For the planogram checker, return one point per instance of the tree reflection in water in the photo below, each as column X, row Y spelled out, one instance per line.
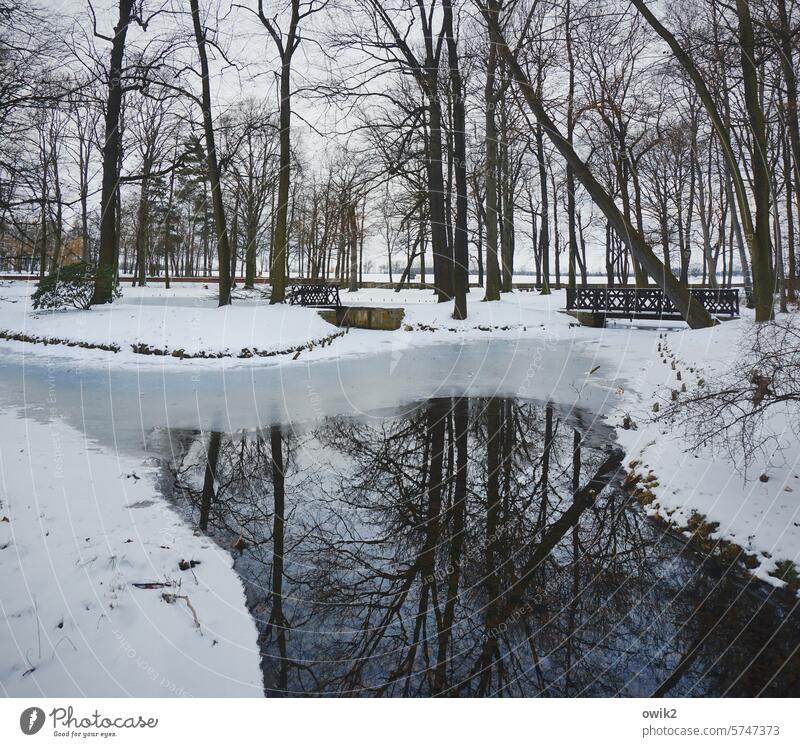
column 473, row 547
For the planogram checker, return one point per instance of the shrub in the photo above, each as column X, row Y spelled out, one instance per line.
column 72, row 285
column 733, row 409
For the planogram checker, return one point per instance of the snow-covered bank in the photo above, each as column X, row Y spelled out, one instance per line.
column 175, row 322
column 760, row 511
column 183, row 324
column 79, row 528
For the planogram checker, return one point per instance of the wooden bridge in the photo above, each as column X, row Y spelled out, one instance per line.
column 318, row 295
column 594, row 304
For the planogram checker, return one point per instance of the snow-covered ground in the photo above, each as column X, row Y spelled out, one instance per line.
column 759, row 511
column 79, row 528
column 184, row 319
column 618, row 371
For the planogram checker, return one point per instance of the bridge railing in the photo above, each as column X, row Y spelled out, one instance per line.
column 322, row 295
column 648, row 303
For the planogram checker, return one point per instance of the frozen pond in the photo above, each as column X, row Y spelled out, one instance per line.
column 444, row 520
column 119, row 406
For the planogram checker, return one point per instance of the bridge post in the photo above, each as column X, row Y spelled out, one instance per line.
column 590, row 318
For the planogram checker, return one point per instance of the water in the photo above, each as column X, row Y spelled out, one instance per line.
column 412, row 546
column 474, row 546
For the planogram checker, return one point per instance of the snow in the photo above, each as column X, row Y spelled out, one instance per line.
column 761, row 517
column 186, row 317
column 523, row 345
column 79, row 526
column 182, row 319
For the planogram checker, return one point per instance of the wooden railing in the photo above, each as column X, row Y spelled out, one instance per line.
column 649, row 303
column 321, row 295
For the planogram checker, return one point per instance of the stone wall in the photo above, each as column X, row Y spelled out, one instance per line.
column 365, row 317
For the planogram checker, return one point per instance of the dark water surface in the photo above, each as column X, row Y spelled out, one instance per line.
column 473, row 547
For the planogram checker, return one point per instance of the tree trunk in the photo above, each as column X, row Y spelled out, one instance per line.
column 544, row 227
column 442, row 256
column 43, row 220
column 223, row 248
column 490, row 180
column 278, row 265
column 791, row 279
column 59, row 227
column 251, row 231
column 573, row 240
column 507, row 212
column 235, row 233
column 460, row 239
column 479, row 244
column 763, row 284
column 352, row 225
column 107, row 258
column 167, row 221
column 793, row 125
column 142, row 219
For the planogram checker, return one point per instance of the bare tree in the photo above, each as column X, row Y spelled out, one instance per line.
column 756, row 230
column 459, row 160
column 286, row 43
column 733, row 410
column 694, row 314
column 107, row 258
column 212, row 164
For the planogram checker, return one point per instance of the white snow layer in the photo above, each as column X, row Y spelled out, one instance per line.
column 179, row 319
column 78, row 528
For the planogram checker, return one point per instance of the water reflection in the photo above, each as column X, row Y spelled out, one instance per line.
column 472, row 547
